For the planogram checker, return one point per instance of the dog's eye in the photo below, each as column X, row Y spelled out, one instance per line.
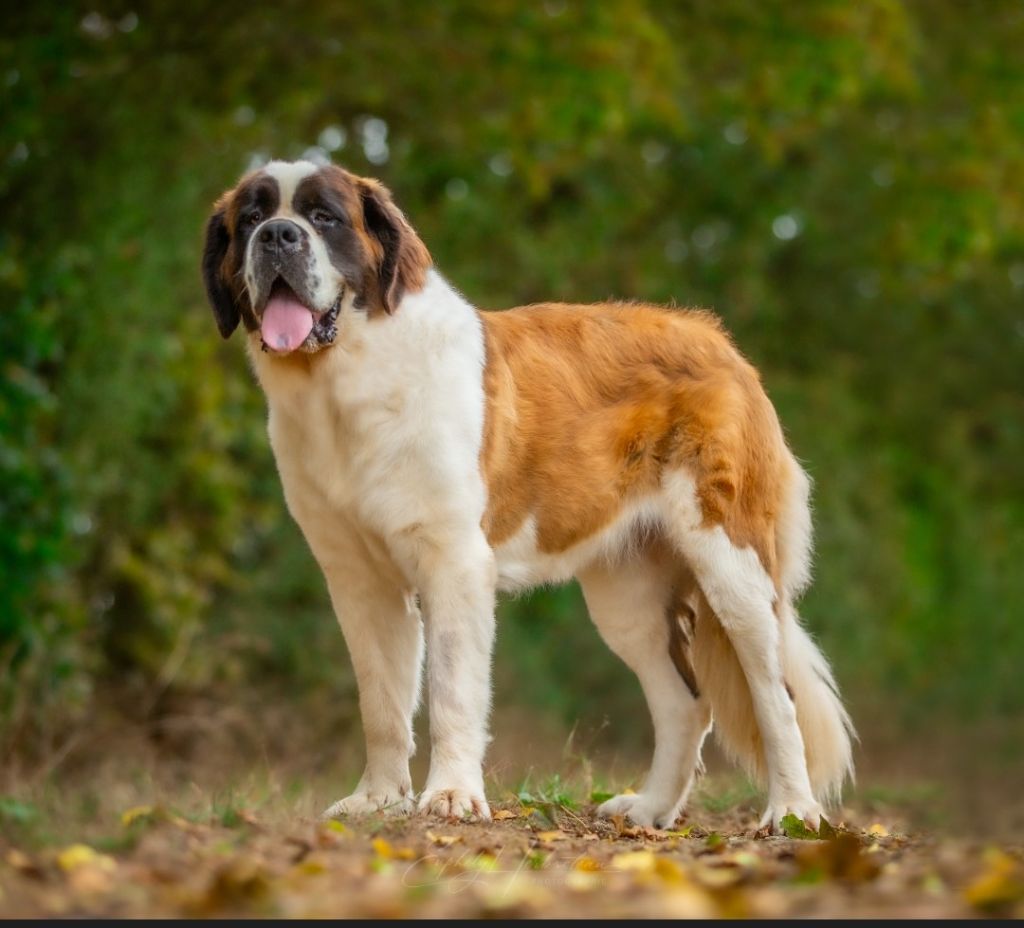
column 252, row 217
column 320, row 217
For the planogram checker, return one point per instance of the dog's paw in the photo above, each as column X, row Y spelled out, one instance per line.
column 640, row 809
column 455, row 804
column 806, row 809
column 371, row 802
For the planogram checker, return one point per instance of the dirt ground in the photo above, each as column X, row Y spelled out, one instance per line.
column 540, row 856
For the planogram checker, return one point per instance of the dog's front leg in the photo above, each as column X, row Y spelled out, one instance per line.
column 457, row 596
column 384, row 634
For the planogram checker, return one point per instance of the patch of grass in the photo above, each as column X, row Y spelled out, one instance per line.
column 727, row 797
column 19, row 820
column 553, row 791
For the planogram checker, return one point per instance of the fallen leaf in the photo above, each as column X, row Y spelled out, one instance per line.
column 825, row 829
column 503, row 815
column 841, row 858
column 719, row 875
column 682, row 832
column 714, row 841
column 795, row 827
column 634, row 861
column 81, row 855
column 547, row 837
column 137, row 814
column 443, row 840
column 878, row 830
column 484, row 863
column 1000, row 885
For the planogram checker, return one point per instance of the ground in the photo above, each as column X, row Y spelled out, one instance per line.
column 545, row 853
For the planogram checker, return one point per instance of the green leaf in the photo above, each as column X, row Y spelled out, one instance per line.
column 793, row 827
column 825, row 830
column 600, row 796
column 15, row 812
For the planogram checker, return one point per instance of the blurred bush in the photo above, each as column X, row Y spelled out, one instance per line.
column 843, row 183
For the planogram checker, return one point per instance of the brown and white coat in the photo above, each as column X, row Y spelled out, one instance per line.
column 433, row 454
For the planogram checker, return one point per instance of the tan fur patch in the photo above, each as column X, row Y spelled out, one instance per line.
column 587, row 407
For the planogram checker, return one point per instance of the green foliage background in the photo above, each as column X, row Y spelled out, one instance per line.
column 843, row 182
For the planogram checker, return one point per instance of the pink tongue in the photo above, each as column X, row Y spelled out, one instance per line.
column 286, row 323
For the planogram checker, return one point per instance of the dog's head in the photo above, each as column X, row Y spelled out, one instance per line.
column 294, row 244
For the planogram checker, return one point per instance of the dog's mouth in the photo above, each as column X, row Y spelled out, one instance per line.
column 288, row 323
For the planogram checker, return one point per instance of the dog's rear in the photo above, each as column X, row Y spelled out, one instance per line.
column 824, row 722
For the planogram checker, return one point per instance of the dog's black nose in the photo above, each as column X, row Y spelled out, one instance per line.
column 280, row 235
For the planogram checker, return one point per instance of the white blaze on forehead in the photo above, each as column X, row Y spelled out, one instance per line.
column 324, row 282
column 289, row 174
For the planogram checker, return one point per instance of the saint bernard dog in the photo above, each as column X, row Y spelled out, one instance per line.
column 434, row 454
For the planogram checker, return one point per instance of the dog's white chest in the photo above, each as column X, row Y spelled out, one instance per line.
column 385, row 437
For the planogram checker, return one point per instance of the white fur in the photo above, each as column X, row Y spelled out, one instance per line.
column 289, row 174
column 742, row 596
column 522, row 565
column 795, row 533
column 627, row 603
column 378, row 447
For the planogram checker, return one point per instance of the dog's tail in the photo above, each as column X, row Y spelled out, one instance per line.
column 824, row 723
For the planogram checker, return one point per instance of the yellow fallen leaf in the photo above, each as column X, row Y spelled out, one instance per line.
column 635, row 861
column 587, row 864
column 878, row 830
column 311, row 866
column 383, row 849
column 1000, row 885
column 81, row 855
column 443, row 840
column 628, row 792
column 747, row 860
column 136, row 813
column 483, row 862
column 336, row 826
column 503, row 815
column 670, row 871
column 719, row 876
column 681, row 833
column 549, row 836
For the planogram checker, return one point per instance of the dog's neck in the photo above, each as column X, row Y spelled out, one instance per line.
column 426, row 325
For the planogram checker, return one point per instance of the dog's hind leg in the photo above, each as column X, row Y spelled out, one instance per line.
column 740, row 590
column 632, row 606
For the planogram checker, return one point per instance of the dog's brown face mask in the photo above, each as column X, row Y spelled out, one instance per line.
column 288, row 246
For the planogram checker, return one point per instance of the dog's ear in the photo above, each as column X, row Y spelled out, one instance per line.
column 222, row 300
column 404, row 261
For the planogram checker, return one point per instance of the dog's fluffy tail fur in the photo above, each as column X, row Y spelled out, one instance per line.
column 824, row 723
